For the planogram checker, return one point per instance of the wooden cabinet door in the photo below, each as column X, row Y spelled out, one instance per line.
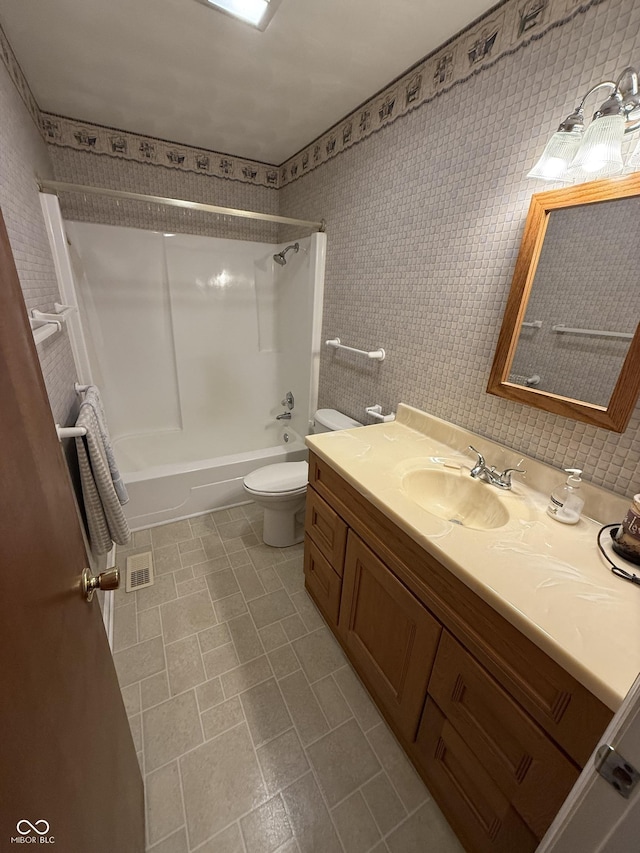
column 481, row 816
column 391, row 638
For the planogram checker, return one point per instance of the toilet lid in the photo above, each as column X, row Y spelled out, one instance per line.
column 283, row 477
column 334, row 420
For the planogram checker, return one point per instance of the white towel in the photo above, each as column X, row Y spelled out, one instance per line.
column 105, row 518
column 92, row 398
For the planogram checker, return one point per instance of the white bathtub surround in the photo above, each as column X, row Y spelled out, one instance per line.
column 194, row 341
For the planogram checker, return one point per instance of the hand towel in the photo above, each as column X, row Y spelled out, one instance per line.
column 105, row 518
column 92, row 398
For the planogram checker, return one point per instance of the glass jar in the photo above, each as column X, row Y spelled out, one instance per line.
column 626, row 541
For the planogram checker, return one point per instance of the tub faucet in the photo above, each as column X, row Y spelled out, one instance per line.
column 288, row 400
column 499, row 479
column 285, row 416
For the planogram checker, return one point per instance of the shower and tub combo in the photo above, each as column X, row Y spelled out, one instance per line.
column 194, row 341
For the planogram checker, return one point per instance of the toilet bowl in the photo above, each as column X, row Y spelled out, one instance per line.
column 280, row 489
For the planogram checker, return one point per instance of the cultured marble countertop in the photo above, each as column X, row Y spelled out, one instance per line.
column 546, row 578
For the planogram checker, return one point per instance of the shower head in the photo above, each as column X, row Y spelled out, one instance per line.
column 280, row 257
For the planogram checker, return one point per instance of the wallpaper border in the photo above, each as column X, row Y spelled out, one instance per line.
column 500, row 32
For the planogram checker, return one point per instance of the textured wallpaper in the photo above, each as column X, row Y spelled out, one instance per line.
column 23, row 155
column 424, row 220
column 85, row 168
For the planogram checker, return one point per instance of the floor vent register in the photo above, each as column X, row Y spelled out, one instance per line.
column 139, row 571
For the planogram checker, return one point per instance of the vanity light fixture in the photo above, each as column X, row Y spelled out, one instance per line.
column 258, row 13
column 574, row 155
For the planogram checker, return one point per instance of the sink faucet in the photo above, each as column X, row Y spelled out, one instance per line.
column 500, row 479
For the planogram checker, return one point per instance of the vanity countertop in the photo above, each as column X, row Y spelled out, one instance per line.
column 546, row 578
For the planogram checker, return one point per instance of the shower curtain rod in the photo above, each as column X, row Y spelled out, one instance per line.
column 56, row 187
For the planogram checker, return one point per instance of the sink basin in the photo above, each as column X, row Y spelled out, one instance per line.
column 456, row 497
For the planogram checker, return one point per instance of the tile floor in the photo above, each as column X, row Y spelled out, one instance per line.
column 253, row 733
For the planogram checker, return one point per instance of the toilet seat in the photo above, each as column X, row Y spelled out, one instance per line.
column 283, row 478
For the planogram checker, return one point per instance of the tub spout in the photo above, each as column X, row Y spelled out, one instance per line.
column 285, row 416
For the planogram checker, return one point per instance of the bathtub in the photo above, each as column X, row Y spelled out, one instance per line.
column 171, row 492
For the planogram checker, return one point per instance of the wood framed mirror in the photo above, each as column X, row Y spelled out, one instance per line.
column 570, row 337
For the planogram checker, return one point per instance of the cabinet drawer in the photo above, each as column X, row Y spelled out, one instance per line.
column 529, row 769
column 479, row 812
column 326, row 528
column 323, row 584
column 390, row 637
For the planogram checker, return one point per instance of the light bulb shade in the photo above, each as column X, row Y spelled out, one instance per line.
column 600, row 154
column 557, row 156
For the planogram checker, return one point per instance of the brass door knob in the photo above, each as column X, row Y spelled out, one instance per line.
column 105, row 580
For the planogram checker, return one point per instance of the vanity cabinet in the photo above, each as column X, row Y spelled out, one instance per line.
column 390, row 637
column 498, row 730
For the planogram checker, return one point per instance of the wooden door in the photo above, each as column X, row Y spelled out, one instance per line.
column 68, row 770
column 390, row 636
column 595, row 818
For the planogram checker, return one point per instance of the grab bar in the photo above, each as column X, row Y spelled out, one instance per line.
column 561, row 328
column 43, row 329
column 532, row 324
column 47, row 323
column 377, row 354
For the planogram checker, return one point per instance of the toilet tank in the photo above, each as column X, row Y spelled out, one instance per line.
column 328, row 420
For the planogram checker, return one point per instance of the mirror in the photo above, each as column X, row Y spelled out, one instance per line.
column 570, row 337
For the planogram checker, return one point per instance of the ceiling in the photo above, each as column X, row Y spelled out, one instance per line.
column 178, row 70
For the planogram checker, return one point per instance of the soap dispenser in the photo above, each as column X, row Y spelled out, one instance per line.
column 565, row 504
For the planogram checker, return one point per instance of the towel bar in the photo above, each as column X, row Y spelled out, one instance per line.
column 69, row 432
column 561, row 328
column 376, row 412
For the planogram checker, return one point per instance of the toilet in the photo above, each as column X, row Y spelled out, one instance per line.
column 280, row 489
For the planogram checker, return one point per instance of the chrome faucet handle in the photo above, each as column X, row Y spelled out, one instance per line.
column 288, row 400
column 503, row 481
column 480, row 468
column 480, row 456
